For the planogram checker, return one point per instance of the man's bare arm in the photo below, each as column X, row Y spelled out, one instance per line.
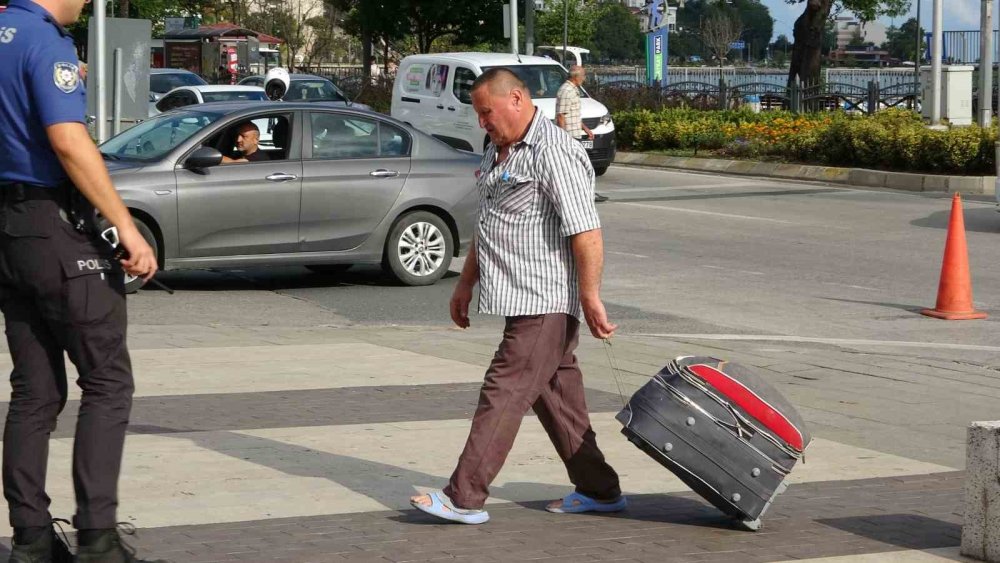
column 588, row 251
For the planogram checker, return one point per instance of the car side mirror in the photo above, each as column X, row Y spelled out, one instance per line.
column 204, row 157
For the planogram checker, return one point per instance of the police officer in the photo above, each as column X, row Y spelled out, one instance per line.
column 61, row 290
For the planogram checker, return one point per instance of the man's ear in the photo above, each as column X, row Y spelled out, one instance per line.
column 517, row 97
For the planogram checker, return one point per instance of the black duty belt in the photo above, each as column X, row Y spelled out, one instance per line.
column 14, row 192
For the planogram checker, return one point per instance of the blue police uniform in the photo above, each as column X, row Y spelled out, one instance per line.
column 60, row 289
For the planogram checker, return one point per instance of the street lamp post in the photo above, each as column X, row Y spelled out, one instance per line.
column 986, row 65
column 937, row 49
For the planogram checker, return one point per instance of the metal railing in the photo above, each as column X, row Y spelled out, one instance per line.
column 763, row 95
column 740, row 76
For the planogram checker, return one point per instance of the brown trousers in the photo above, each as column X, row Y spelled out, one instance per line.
column 534, row 367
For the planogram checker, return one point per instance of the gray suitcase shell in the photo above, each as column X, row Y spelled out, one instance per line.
column 711, row 441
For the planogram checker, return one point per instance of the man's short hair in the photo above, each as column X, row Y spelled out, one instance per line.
column 249, row 125
column 500, row 82
column 576, row 71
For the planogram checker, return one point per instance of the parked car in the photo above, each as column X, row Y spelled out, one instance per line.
column 190, row 95
column 305, row 88
column 163, row 80
column 342, row 186
column 434, row 94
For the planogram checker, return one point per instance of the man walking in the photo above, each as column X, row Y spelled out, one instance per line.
column 568, row 114
column 537, row 258
column 60, row 288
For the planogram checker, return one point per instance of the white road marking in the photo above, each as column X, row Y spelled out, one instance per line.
column 627, row 254
column 613, row 191
column 811, row 340
column 852, row 286
column 699, row 212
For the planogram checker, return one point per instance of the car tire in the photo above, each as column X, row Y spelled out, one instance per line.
column 329, row 269
column 600, row 170
column 132, row 283
column 418, row 249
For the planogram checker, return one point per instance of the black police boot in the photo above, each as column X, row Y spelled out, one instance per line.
column 45, row 549
column 107, row 546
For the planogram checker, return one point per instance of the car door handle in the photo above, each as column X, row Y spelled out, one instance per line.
column 440, row 106
column 451, row 108
column 280, row 177
column 383, row 173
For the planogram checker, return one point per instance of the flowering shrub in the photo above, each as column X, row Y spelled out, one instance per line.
column 892, row 139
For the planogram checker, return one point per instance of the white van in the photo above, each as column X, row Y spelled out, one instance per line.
column 572, row 56
column 434, row 94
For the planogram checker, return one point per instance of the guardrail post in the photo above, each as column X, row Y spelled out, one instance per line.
column 873, row 96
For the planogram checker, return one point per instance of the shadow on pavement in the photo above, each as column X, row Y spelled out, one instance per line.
column 274, row 279
column 910, row 531
column 977, row 219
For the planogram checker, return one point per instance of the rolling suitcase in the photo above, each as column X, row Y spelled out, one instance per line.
column 722, row 430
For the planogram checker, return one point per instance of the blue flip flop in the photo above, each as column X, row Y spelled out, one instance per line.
column 575, row 503
column 442, row 507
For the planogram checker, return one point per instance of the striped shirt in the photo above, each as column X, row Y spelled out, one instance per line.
column 568, row 104
column 529, row 206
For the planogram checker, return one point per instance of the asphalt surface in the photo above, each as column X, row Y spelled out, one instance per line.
column 685, row 254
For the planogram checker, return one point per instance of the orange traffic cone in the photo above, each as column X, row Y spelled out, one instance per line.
column 954, row 300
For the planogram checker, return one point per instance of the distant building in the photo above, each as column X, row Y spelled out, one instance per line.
column 870, row 32
column 865, row 55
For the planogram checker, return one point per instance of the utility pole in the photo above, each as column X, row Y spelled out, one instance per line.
column 100, row 70
column 937, row 52
column 529, row 27
column 919, row 52
column 514, row 40
column 986, row 65
column 565, row 29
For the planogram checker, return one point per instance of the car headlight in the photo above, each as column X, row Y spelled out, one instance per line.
column 606, row 119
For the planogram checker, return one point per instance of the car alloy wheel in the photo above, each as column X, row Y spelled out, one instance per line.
column 421, row 249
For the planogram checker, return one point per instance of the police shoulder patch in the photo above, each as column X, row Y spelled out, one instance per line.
column 66, row 76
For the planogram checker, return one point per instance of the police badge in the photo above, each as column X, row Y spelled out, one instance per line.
column 66, row 76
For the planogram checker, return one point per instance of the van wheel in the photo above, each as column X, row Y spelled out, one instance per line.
column 599, row 171
column 418, row 249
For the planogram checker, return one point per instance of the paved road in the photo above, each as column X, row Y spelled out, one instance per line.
column 693, row 253
column 284, row 415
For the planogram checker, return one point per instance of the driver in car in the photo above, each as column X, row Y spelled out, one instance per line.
column 248, row 143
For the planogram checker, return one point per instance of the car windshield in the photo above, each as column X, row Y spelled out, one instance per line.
column 314, row 90
column 231, row 96
column 543, row 80
column 152, row 140
column 163, row 83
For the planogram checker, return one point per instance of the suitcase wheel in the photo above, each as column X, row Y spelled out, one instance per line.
column 749, row 525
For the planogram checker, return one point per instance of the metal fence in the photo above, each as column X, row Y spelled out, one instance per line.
column 885, row 78
column 962, row 47
column 762, row 96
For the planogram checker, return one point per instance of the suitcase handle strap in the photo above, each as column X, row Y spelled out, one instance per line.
column 616, row 371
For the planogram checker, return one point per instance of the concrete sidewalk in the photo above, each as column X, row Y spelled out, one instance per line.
column 305, row 443
column 855, row 177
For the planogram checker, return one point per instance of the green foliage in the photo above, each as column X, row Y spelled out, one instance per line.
column 902, row 41
column 582, row 17
column 617, row 35
column 890, row 140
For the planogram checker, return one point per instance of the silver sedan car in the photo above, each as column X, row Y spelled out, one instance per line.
column 330, row 186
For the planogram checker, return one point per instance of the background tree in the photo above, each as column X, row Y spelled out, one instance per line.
column 901, row 42
column 810, row 27
column 617, row 35
column 582, row 22
column 758, row 25
column 718, row 32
